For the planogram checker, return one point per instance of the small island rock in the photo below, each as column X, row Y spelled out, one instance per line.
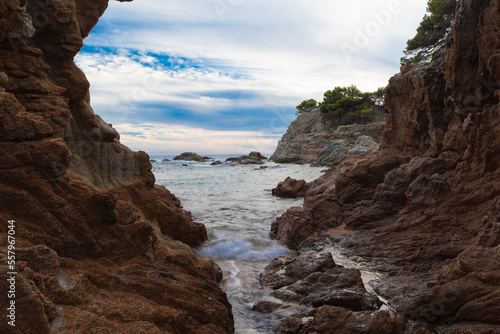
column 191, row 156
column 254, row 158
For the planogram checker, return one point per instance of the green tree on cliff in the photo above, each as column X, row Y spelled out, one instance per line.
column 346, row 101
column 307, row 106
column 346, row 104
column 434, row 24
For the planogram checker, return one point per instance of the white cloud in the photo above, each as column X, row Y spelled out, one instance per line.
column 175, row 139
column 281, row 51
column 120, row 81
column 291, row 41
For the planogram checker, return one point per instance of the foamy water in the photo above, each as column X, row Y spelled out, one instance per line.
column 236, row 206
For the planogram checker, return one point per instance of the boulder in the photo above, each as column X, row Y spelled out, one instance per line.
column 290, row 188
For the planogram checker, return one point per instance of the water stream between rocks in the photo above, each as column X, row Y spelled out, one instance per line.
column 237, row 207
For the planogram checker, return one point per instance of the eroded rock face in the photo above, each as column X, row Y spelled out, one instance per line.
column 333, row 153
column 312, row 137
column 100, row 247
column 336, row 151
column 427, row 202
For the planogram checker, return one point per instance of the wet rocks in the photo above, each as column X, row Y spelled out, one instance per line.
column 191, row 156
column 283, row 271
column 313, row 281
column 330, row 319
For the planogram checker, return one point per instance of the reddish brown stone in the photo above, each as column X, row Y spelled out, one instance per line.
column 330, row 319
column 290, row 188
column 100, row 248
column 297, row 224
column 427, row 203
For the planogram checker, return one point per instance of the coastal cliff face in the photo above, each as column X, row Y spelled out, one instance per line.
column 313, row 137
column 426, row 204
column 99, row 247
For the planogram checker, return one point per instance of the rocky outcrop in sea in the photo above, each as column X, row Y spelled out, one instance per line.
column 316, row 138
column 191, row 156
column 422, row 211
column 253, row 158
column 99, row 247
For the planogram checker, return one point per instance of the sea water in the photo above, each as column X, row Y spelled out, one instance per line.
column 236, row 205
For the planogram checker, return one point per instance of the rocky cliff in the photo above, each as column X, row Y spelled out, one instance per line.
column 424, row 209
column 314, row 137
column 99, row 247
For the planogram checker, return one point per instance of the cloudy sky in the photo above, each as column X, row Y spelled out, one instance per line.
column 224, row 76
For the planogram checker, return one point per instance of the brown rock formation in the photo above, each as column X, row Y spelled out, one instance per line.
column 291, row 188
column 314, row 280
column 100, row 248
column 330, row 319
column 427, row 203
column 320, row 212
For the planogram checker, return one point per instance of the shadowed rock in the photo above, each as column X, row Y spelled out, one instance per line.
column 291, row 188
column 426, row 204
column 101, row 248
column 313, row 281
